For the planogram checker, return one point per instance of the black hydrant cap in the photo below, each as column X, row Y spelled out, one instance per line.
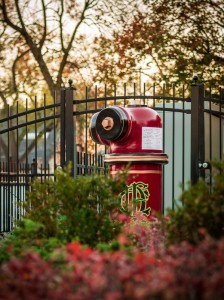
column 112, row 123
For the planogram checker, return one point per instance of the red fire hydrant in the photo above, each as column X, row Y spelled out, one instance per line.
column 134, row 137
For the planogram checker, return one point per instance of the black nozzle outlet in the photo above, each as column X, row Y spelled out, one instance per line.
column 92, row 129
column 111, row 123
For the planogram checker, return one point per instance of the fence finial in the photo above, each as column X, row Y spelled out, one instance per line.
column 70, row 82
column 195, row 79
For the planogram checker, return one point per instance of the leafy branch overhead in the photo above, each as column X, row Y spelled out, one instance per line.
column 49, row 40
column 175, row 39
column 39, row 31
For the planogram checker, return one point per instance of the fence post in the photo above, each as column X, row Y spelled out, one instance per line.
column 33, row 168
column 197, row 131
column 67, row 127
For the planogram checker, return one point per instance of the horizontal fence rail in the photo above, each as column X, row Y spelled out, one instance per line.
column 35, row 141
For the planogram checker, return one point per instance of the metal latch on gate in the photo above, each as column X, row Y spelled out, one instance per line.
column 204, row 165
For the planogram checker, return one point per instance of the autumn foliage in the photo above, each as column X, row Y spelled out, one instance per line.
column 183, row 271
column 141, row 261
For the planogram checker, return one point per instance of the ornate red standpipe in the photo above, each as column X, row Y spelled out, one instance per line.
column 134, row 137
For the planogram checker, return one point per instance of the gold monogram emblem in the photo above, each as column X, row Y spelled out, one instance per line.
column 135, row 198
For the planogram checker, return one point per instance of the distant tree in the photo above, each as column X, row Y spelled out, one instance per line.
column 44, row 42
column 178, row 37
column 36, row 49
column 38, row 40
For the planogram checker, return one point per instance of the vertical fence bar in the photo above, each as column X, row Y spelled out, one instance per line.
column 67, row 127
column 183, row 139
column 125, row 94
column 220, row 124
column 210, row 123
column 62, row 125
column 210, row 127
column 1, row 179
column 154, row 93
column 35, row 127
column 95, row 146
column 73, row 109
column 1, row 191
column 164, row 136
column 197, row 130
column 105, row 105
column 144, row 92
column 45, row 137
column 26, row 134
column 86, row 132
column 134, row 93
column 17, row 164
column 54, row 136
column 8, row 172
column 115, row 94
column 173, row 145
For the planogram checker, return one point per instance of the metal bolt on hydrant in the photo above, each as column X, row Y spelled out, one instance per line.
column 134, row 137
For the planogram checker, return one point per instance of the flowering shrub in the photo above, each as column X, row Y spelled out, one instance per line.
column 29, row 278
column 45, row 257
column 184, row 271
column 146, row 233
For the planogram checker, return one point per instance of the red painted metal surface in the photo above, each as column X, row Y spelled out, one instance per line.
column 138, row 117
column 134, row 136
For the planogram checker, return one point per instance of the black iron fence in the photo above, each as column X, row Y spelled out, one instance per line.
column 45, row 135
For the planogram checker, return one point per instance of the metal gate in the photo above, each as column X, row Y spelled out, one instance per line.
column 35, row 141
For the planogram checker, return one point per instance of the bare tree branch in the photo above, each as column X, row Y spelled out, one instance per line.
column 14, row 66
column 3, row 98
column 42, row 40
column 67, row 49
column 3, row 146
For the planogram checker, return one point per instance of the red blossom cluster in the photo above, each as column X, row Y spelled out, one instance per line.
column 184, row 271
column 147, row 233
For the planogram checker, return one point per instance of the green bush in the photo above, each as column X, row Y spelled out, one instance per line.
column 67, row 209
column 28, row 236
column 201, row 210
column 76, row 208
